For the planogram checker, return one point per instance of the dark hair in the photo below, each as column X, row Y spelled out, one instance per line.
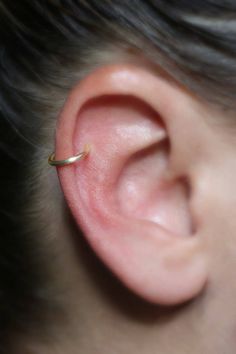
column 46, row 47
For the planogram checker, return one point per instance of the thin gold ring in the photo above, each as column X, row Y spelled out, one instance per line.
column 70, row 160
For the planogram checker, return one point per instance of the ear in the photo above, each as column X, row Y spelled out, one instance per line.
column 132, row 195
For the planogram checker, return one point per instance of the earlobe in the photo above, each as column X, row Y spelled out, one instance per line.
column 136, row 219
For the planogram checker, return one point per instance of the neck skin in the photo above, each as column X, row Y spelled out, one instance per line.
column 101, row 316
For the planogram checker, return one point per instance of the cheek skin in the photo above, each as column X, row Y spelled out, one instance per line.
column 215, row 206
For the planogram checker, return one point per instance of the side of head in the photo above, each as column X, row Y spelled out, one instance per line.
column 151, row 90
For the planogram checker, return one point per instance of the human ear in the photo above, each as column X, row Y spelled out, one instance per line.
column 132, row 195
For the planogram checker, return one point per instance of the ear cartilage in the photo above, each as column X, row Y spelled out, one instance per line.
column 70, row 160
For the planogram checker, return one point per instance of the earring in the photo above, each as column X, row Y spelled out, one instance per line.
column 70, row 160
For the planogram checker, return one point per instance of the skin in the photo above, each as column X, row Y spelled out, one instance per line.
column 167, row 286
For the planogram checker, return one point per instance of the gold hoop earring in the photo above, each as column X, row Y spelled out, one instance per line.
column 70, row 160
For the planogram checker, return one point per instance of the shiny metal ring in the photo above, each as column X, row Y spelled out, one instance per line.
column 70, row 160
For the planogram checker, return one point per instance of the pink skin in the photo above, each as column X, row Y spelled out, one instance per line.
column 156, row 201
column 157, row 246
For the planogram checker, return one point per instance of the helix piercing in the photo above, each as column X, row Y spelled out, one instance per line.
column 70, row 160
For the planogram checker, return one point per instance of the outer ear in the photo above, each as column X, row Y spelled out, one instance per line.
column 131, row 195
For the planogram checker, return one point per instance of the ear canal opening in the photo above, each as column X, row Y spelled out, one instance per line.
column 144, row 192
